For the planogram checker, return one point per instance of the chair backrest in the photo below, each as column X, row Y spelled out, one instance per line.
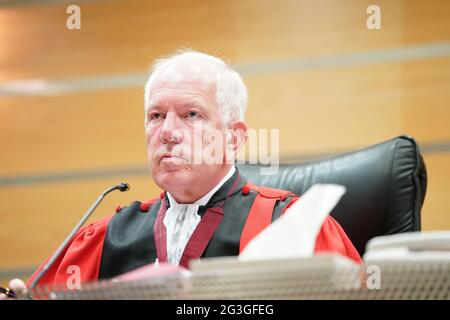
column 386, row 186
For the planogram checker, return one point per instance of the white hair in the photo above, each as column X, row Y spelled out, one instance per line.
column 231, row 92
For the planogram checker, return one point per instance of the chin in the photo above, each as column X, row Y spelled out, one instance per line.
column 172, row 179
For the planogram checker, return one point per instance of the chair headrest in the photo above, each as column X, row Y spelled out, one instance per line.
column 386, row 186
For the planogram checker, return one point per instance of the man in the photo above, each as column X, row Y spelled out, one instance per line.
column 194, row 113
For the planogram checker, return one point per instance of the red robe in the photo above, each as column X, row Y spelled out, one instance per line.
column 88, row 246
column 86, row 249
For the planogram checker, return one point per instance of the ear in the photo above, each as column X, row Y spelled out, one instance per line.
column 236, row 138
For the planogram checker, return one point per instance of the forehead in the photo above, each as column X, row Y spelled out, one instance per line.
column 180, row 89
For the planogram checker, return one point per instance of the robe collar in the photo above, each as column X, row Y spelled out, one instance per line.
column 211, row 213
column 203, row 201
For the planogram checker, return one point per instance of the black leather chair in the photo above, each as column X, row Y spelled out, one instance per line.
column 386, row 185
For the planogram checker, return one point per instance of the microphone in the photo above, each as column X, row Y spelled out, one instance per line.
column 121, row 187
column 124, row 187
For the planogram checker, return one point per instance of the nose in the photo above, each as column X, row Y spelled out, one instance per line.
column 170, row 131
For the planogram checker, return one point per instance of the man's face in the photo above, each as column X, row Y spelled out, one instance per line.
column 179, row 122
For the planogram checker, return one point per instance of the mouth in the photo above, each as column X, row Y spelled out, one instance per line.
column 171, row 158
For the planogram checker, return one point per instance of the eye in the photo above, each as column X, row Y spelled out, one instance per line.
column 155, row 116
column 192, row 115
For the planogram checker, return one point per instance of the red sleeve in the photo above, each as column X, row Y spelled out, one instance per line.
column 332, row 238
column 84, row 251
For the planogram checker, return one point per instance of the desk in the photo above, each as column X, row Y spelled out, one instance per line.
column 319, row 277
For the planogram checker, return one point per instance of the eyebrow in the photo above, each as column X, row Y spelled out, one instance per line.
column 196, row 104
column 191, row 103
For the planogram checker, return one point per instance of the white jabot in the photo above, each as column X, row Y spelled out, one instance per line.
column 182, row 219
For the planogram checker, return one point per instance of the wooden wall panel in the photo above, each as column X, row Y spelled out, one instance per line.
column 35, row 219
column 436, row 209
column 72, row 132
column 123, row 36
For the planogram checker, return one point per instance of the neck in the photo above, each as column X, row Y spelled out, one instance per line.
column 190, row 196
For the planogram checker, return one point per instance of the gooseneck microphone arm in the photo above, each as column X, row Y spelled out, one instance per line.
column 122, row 187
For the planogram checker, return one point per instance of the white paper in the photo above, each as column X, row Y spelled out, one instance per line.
column 294, row 233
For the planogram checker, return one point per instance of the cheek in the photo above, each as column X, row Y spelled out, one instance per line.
column 152, row 128
column 152, row 141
